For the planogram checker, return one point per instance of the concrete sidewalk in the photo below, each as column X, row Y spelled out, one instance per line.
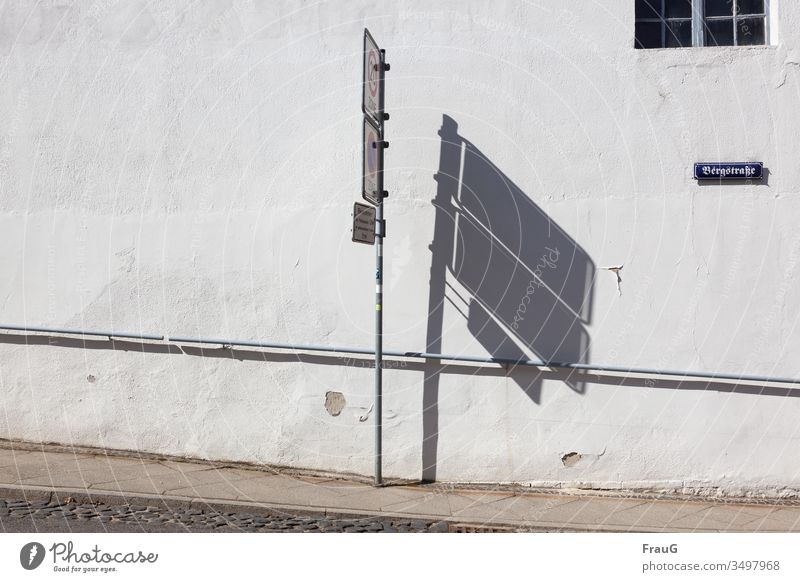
column 26, row 470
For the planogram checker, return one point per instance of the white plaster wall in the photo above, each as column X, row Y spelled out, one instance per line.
column 189, row 168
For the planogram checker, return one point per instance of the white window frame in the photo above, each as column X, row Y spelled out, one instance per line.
column 699, row 20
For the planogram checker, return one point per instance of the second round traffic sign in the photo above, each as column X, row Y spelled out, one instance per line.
column 372, row 164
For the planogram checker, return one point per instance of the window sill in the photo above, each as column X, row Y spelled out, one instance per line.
column 758, row 47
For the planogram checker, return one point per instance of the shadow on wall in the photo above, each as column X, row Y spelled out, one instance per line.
column 529, row 283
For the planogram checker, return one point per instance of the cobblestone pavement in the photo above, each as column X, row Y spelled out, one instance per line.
column 70, row 516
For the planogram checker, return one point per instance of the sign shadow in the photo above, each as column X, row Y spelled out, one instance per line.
column 524, row 285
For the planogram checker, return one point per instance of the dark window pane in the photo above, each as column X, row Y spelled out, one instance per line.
column 648, row 8
column 750, row 7
column 719, row 7
column 719, row 32
column 648, row 35
column 751, row 31
column 678, row 8
column 679, row 33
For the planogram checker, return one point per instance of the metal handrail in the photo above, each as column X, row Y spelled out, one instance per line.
column 508, row 362
column 109, row 334
column 484, row 360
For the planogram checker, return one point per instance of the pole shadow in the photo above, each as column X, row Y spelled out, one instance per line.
column 529, row 284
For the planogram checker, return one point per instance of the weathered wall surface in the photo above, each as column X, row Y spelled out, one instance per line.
column 189, row 168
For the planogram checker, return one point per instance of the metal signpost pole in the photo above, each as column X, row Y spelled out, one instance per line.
column 372, row 191
column 381, row 224
column 379, row 347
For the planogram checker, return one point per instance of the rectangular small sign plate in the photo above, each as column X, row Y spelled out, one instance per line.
column 371, row 100
column 724, row 171
column 363, row 223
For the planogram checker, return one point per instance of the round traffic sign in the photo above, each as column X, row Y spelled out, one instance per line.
column 372, row 72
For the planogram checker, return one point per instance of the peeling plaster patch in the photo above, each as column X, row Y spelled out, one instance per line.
column 334, row 403
column 571, row 459
column 791, row 61
column 616, row 271
column 585, row 460
column 127, row 258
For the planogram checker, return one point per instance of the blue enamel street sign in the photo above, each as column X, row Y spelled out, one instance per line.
column 721, row 171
